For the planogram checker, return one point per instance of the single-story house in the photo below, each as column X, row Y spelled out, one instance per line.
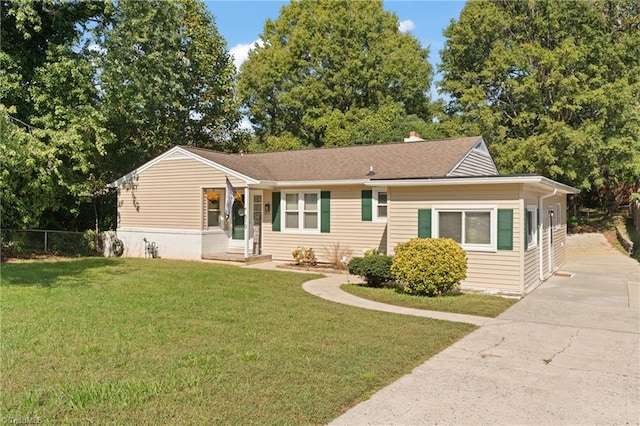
column 513, row 227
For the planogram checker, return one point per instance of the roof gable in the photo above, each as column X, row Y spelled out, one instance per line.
column 181, row 153
column 477, row 162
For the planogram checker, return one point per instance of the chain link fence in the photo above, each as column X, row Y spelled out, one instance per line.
column 33, row 242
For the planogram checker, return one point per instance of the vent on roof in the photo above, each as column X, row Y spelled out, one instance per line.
column 176, row 155
column 414, row 137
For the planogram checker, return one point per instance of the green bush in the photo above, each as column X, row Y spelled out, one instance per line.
column 429, row 266
column 374, row 268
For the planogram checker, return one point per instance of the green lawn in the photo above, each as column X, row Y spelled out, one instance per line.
column 472, row 304
column 135, row 341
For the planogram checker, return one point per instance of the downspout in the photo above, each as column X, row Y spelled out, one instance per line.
column 247, row 218
column 540, row 228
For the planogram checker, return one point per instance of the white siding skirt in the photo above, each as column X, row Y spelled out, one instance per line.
column 173, row 243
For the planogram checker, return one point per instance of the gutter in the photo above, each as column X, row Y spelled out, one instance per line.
column 541, row 227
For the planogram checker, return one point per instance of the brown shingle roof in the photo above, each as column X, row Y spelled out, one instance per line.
column 389, row 161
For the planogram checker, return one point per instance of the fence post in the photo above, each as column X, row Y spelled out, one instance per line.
column 45, row 241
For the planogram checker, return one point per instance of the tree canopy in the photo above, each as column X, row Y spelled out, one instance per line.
column 323, row 67
column 553, row 86
column 166, row 79
column 53, row 133
column 91, row 90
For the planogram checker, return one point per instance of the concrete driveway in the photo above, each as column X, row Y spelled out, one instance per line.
column 568, row 353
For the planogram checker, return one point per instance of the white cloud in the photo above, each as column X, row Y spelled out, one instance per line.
column 406, row 26
column 240, row 52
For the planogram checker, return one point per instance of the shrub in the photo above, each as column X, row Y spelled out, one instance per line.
column 304, row 256
column 429, row 266
column 375, row 269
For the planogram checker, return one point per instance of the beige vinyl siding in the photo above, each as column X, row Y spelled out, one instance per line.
column 531, row 267
column 532, row 257
column 169, row 194
column 498, row 270
column 560, row 233
column 347, row 228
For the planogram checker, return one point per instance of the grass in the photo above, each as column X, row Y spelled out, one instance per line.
column 471, row 304
column 155, row 342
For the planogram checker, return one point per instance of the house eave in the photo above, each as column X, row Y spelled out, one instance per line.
column 308, row 183
column 479, row 180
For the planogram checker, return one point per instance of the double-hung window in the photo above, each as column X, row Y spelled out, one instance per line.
column 301, row 211
column 380, row 205
column 474, row 228
column 532, row 226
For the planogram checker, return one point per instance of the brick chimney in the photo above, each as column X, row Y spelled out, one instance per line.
column 414, row 137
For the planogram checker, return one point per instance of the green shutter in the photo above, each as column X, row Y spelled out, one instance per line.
column 325, row 211
column 367, row 205
column 424, row 223
column 505, row 229
column 275, row 211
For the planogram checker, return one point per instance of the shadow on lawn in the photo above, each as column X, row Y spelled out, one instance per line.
column 68, row 273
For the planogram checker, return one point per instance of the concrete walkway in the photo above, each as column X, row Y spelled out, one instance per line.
column 329, row 288
column 568, row 353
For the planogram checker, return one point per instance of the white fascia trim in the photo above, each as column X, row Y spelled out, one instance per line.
column 313, row 183
column 480, row 180
column 176, row 149
column 485, row 153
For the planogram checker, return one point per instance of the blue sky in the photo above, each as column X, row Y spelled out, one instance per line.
column 240, row 22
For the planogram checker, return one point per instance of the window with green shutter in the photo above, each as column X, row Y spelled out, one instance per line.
column 505, row 229
column 424, row 223
column 275, row 211
column 367, row 205
column 325, row 211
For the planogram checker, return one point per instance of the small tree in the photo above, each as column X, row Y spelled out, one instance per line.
column 429, row 266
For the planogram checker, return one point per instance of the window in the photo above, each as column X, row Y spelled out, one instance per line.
column 558, row 215
column 532, row 226
column 380, row 205
column 475, row 228
column 301, row 211
column 213, row 198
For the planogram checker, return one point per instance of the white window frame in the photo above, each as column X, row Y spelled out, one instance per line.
column 558, row 217
column 532, row 240
column 220, row 208
column 462, row 208
column 301, row 209
column 376, row 192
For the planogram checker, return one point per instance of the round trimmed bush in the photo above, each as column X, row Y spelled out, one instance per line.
column 374, row 268
column 429, row 266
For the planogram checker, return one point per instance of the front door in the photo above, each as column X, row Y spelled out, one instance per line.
column 238, row 214
column 256, row 236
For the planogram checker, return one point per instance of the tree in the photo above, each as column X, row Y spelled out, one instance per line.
column 553, row 87
column 324, row 65
column 52, row 131
column 166, row 79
